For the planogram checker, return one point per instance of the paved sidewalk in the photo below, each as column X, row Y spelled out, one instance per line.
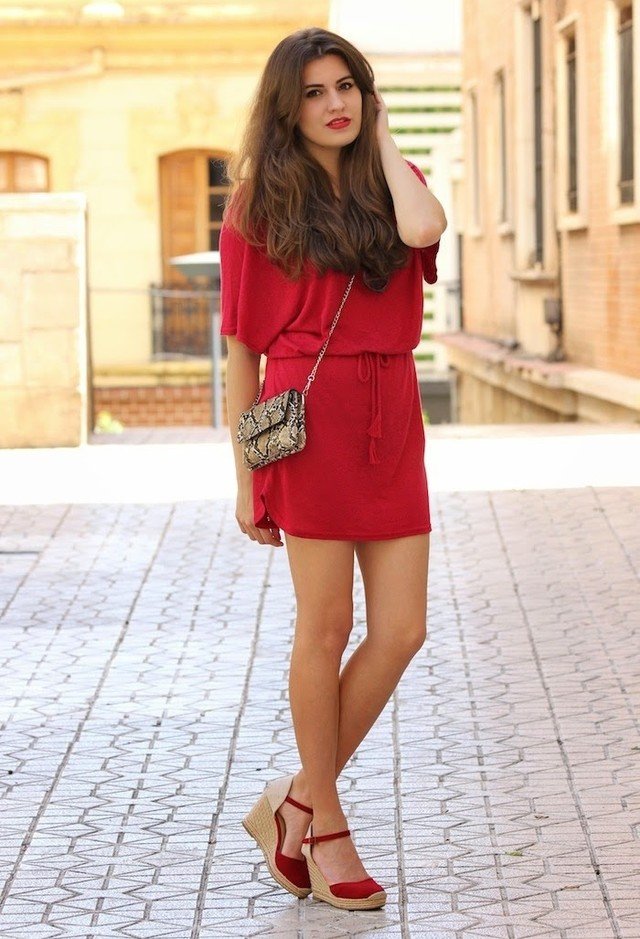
column 143, row 699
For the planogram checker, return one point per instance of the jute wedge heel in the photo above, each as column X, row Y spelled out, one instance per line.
column 267, row 829
column 364, row 894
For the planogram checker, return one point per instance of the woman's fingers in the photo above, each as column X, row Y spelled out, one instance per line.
column 267, row 535
column 261, row 535
column 271, row 536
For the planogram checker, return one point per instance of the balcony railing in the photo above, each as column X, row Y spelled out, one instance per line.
column 181, row 320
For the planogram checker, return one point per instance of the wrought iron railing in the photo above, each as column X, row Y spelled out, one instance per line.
column 181, row 320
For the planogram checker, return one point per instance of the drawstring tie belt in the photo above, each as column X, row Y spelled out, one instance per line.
column 369, row 364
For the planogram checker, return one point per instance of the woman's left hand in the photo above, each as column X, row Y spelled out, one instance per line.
column 382, row 116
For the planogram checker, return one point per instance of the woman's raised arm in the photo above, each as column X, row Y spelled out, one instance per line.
column 419, row 216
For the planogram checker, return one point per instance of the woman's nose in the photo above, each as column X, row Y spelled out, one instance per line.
column 335, row 101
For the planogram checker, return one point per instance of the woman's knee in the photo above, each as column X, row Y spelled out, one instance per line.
column 417, row 637
column 325, row 630
column 402, row 640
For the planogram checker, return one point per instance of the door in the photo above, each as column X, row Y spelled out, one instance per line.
column 193, row 188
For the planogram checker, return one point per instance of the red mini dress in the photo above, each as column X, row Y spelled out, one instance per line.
column 361, row 475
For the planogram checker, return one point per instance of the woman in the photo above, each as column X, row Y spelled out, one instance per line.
column 321, row 192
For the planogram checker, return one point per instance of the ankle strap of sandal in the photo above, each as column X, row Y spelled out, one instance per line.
column 299, row 805
column 314, row 839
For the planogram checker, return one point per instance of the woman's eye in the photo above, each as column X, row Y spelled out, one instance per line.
column 343, row 86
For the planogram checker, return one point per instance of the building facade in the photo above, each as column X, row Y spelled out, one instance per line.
column 416, row 58
column 423, row 98
column 134, row 105
column 551, row 230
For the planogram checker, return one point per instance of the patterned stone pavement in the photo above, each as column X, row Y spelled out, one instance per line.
column 143, row 707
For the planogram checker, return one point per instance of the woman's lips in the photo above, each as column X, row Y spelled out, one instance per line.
column 339, row 123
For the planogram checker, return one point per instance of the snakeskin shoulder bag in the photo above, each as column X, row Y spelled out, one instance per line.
column 275, row 428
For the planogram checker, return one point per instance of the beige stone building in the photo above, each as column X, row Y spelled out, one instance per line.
column 551, row 233
column 131, row 104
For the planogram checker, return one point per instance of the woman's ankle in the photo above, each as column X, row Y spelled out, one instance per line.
column 326, row 823
column 300, row 788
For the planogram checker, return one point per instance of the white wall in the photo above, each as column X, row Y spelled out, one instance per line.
column 413, row 26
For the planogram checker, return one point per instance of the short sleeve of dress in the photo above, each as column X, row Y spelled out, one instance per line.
column 257, row 301
column 233, row 262
column 428, row 254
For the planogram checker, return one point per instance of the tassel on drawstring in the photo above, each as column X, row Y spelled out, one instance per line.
column 374, row 430
column 368, row 370
column 375, row 427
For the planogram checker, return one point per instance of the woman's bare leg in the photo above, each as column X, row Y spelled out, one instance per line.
column 394, row 574
column 322, row 574
column 395, row 579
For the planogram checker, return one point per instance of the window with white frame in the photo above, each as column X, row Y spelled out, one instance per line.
column 503, row 201
column 536, row 36
column 571, row 79
column 621, row 114
column 572, row 142
column 475, row 160
column 532, row 185
column 626, row 178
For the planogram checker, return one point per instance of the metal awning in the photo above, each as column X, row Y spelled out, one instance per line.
column 198, row 263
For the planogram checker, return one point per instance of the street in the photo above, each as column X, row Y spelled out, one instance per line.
column 144, row 702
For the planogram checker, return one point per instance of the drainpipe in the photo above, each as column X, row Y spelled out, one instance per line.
column 95, row 67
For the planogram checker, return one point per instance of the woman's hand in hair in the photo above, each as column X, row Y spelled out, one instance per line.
column 382, row 117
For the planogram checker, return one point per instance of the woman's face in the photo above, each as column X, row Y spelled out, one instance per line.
column 331, row 109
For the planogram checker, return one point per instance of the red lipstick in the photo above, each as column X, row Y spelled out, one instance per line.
column 339, row 123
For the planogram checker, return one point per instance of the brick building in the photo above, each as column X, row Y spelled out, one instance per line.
column 551, row 234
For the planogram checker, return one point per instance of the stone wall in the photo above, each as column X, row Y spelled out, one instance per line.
column 495, row 385
column 482, row 403
column 43, row 320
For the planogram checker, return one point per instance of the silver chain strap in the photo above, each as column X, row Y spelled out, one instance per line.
column 312, row 375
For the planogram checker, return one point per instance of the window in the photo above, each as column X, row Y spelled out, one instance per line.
column 503, row 207
column 621, row 115
column 23, row 172
column 572, row 145
column 192, row 191
column 626, row 182
column 218, row 191
column 536, row 134
column 572, row 125
column 475, row 164
column 537, row 139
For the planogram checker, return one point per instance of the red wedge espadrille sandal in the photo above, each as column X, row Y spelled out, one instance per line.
column 364, row 894
column 267, row 828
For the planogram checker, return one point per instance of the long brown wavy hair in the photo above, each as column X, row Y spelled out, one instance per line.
column 281, row 198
